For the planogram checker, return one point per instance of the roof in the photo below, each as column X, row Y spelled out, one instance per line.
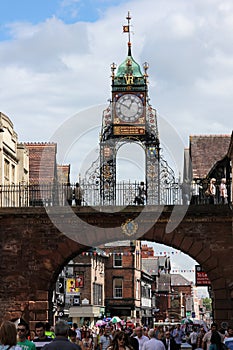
column 179, row 280
column 157, row 264
column 126, row 243
column 206, row 151
column 98, row 251
column 230, row 150
column 151, row 265
column 129, row 66
column 6, row 120
column 164, row 282
column 42, row 162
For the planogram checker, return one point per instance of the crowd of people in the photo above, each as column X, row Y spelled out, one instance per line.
column 212, row 192
column 73, row 194
column 194, row 192
column 112, row 337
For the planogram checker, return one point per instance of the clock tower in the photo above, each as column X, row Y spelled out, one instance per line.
column 129, row 118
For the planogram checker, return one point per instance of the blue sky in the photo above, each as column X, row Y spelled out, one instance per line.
column 36, row 11
column 25, row 10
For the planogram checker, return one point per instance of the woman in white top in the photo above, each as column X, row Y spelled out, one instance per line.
column 223, row 191
column 212, row 189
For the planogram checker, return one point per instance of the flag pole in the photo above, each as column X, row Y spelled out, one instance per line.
column 128, row 19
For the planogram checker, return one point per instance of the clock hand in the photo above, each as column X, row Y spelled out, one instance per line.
column 126, row 105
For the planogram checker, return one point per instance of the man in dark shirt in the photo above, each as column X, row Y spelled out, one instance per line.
column 41, row 338
column 168, row 341
column 61, row 340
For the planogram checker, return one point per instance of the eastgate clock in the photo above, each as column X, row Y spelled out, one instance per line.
column 129, row 108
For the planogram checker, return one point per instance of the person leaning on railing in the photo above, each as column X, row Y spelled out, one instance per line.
column 78, row 194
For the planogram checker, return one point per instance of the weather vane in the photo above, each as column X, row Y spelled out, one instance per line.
column 126, row 28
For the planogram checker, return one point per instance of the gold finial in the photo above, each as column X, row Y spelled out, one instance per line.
column 146, row 66
column 113, row 67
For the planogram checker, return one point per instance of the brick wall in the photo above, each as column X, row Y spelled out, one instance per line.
column 33, row 251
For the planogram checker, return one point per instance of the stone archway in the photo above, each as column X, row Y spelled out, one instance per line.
column 34, row 250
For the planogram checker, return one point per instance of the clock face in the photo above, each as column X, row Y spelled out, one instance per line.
column 129, row 108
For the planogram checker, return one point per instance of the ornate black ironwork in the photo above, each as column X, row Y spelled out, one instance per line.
column 108, row 172
column 27, row 195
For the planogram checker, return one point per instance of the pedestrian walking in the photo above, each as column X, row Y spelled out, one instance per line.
column 8, row 336
column 41, row 338
column 140, row 337
column 200, row 335
column 23, row 342
column 105, row 339
column 153, row 343
column 61, row 340
column 119, row 342
column 77, row 331
column 193, row 338
column 178, row 335
column 87, row 341
column 216, row 342
column 228, row 340
column 206, row 341
column 168, row 341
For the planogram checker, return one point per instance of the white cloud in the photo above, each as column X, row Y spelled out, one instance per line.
column 19, row 30
column 216, row 87
column 181, row 26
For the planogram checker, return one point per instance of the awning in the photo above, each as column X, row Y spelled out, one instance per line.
column 85, row 311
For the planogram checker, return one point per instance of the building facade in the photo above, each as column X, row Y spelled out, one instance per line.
column 83, row 288
column 123, row 279
column 14, row 165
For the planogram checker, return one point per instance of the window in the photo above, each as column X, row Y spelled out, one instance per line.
column 146, row 292
column 117, row 260
column 138, row 284
column 6, row 169
column 118, row 288
column 12, row 174
column 98, row 294
column 137, row 260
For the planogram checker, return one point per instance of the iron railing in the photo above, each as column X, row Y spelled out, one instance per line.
column 56, row 195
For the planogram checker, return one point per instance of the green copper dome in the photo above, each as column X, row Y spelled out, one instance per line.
column 128, row 75
column 129, row 66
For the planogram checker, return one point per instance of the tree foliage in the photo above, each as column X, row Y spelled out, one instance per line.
column 207, row 303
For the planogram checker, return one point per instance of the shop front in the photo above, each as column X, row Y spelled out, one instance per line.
column 85, row 315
